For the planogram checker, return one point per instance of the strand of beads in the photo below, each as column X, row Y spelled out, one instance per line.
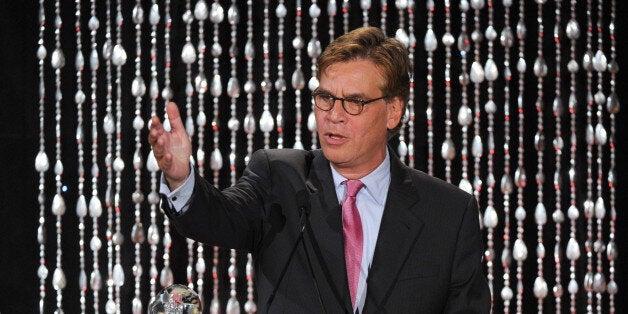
column 95, row 205
column 409, row 114
column 506, row 39
column 249, row 86
column 465, row 116
column 41, row 160
column 266, row 122
column 540, row 214
column 280, row 83
column 166, row 277
column 612, row 106
column 430, row 43
column 151, row 162
column 81, row 203
column 118, row 59
column 490, row 214
column 558, row 216
column 402, row 36
column 573, row 248
column 601, row 137
column 138, row 90
column 477, row 77
column 590, row 139
column 298, row 80
column 520, row 251
column 313, row 50
column 109, row 129
column 448, row 149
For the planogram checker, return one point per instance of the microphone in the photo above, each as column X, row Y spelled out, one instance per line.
column 303, row 204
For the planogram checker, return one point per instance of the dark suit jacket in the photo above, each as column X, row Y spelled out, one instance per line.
column 427, row 257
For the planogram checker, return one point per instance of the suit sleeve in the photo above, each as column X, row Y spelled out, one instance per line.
column 231, row 218
column 468, row 290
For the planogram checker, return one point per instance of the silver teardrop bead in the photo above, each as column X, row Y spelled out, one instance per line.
column 233, row 87
column 600, row 134
column 506, row 37
column 403, row 38
column 573, row 250
column 138, row 14
column 188, row 53
column 429, row 42
column 520, row 251
column 216, row 160
column 490, row 70
column 81, row 206
column 200, row 10
column 138, row 87
column 612, row 103
column 119, row 55
column 540, row 67
column 216, row 86
column 490, row 217
column 599, row 61
column 58, row 279
column 58, row 205
column 249, row 123
column 58, row 59
column 41, row 162
column 233, row 14
column 448, row 150
column 465, row 116
column 573, row 29
column 233, row 306
column 166, row 277
column 314, row 48
column 540, row 214
column 477, row 73
column 540, row 288
column 266, row 122
column 118, row 275
column 298, row 81
column 217, row 13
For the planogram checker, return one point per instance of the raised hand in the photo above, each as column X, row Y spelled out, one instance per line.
column 172, row 149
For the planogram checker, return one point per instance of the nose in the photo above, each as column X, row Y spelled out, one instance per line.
column 337, row 113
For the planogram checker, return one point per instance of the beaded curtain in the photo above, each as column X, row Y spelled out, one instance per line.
column 512, row 101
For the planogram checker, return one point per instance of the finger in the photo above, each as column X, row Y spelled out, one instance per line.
column 175, row 117
column 156, row 129
column 158, row 148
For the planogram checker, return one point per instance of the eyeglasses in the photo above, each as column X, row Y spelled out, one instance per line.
column 351, row 105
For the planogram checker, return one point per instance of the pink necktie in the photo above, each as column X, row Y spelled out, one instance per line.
column 352, row 231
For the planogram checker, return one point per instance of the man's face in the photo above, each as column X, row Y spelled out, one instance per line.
column 355, row 145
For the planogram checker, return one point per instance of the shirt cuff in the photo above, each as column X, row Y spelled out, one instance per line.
column 179, row 199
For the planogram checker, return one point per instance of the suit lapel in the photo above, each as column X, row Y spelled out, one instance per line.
column 326, row 223
column 398, row 232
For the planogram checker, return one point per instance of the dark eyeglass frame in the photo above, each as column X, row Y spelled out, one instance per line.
column 356, row 100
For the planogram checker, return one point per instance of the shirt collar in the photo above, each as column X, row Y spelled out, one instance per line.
column 376, row 183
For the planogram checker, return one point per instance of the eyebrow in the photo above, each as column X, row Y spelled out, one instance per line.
column 353, row 95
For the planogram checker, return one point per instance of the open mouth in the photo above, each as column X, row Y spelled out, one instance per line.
column 334, row 136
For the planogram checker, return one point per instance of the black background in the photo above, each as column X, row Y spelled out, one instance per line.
column 19, row 142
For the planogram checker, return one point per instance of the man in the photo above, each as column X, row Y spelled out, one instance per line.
column 348, row 228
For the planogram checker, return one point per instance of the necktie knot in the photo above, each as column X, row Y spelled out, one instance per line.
column 353, row 187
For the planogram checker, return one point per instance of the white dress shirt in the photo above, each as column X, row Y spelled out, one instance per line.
column 370, row 202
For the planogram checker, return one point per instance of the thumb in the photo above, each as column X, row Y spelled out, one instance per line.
column 174, row 117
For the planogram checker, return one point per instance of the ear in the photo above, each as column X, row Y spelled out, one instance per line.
column 394, row 111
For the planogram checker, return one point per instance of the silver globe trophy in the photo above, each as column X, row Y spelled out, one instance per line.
column 176, row 299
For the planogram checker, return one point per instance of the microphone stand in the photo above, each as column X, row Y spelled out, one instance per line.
column 304, row 213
